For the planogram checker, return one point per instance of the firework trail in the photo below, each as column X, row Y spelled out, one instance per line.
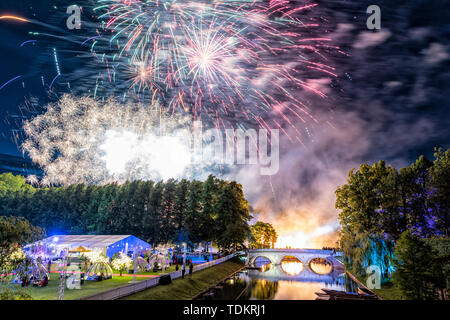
column 13, row 18
column 9, row 81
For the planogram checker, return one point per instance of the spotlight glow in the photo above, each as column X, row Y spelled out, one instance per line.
column 167, row 156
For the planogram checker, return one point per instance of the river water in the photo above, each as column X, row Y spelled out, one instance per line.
column 289, row 281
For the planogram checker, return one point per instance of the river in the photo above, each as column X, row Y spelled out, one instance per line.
column 289, row 281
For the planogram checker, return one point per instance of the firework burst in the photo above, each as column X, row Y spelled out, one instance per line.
column 143, row 73
column 230, row 64
column 81, row 140
column 225, row 62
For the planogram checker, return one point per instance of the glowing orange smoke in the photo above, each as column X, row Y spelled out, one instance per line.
column 305, row 233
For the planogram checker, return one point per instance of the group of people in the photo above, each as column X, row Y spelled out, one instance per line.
column 183, row 268
column 177, row 259
column 26, row 281
column 330, row 248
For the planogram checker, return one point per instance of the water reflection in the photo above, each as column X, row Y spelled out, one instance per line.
column 266, row 267
column 262, row 286
column 295, row 290
column 320, row 266
column 291, row 265
column 262, row 290
column 276, row 284
column 262, row 261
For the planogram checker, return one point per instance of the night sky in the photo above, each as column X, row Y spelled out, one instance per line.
column 394, row 81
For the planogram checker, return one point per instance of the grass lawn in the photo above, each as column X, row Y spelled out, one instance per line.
column 170, row 269
column 186, row 289
column 88, row 288
column 387, row 292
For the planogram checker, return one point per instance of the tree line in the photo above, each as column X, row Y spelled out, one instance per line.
column 399, row 221
column 193, row 211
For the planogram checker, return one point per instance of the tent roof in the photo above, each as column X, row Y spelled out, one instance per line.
column 80, row 249
column 89, row 241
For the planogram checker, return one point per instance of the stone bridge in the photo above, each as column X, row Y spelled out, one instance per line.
column 304, row 255
column 276, row 273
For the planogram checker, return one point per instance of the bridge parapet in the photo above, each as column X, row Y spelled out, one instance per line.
column 320, row 251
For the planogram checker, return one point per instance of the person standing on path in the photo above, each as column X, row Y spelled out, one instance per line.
column 191, row 268
column 49, row 265
column 183, row 270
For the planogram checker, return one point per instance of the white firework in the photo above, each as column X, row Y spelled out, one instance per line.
column 83, row 140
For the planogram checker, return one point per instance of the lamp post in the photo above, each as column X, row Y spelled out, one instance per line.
column 184, row 255
column 134, row 267
column 62, row 275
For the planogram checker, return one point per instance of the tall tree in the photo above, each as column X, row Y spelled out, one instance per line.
column 263, row 235
column 168, row 213
column 208, row 213
column 440, row 183
column 192, row 217
column 233, row 214
column 103, row 218
column 12, row 183
column 180, row 206
column 369, row 217
column 413, row 258
column 14, row 233
column 382, row 208
column 154, row 221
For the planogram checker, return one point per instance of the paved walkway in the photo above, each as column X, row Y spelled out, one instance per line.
column 117, row 274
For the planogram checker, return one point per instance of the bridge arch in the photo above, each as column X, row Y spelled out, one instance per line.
column 292, row 265
column 257, row 258
column 304, row 255
column 320, row 265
